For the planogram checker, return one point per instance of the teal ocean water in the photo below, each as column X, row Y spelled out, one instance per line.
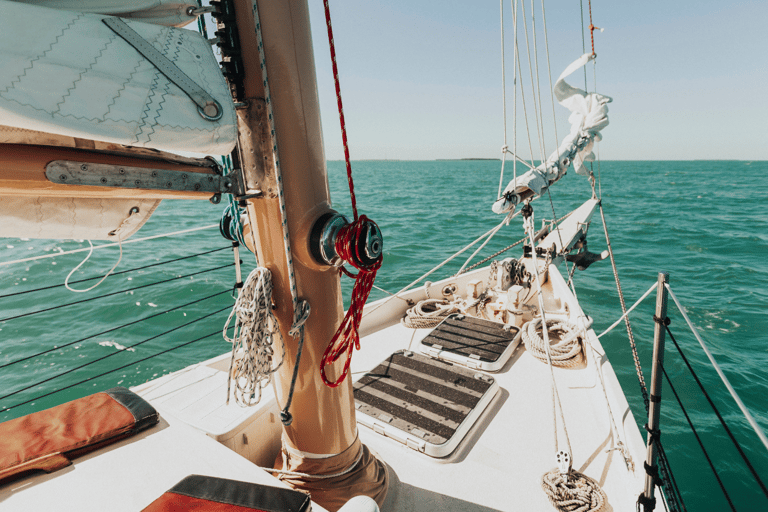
column 704, row 222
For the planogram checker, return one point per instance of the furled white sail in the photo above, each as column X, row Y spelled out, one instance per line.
column 172, row 13
column 73, row 218
column 589, row 115
column 68, row 73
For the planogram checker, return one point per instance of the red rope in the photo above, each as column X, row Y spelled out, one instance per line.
column 341, row 108
column 349, row 250
column 347, row 338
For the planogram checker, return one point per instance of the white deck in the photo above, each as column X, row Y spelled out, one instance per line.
column 500, row 464
column 497, row 467
column 129, row 475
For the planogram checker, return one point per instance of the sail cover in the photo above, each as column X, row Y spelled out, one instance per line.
column 171, row 13
column 589, row 115
column 68, row 73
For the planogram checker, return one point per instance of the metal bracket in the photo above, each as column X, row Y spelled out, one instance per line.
column 208, row 108
column 119, row 176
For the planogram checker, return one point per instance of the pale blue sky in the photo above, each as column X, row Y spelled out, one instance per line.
column 421, row 79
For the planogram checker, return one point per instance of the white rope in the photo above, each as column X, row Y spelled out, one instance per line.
column 528, row 225
column 617, row 322
column 104, row 246
column 574, row 492
column 255, row 328
column 732, row 391
column 566, row 488
column 614, row 428
column 428, row 313
column 119, row 243
column 318, row 477
column 566, row 352
column 300, row 311
column 66, row 280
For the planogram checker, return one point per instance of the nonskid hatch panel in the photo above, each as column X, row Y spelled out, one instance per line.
column 426, row 404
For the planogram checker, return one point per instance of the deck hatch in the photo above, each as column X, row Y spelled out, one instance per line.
column 472, row 342
column 422, row 402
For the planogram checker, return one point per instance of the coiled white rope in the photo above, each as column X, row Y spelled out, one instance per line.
column 574, row 492
column 428, row 313
column 565, row 342
column 255, row 328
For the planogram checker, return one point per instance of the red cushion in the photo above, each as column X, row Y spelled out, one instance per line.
column 48, row 440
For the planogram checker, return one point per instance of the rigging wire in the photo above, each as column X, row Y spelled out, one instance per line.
column 522, row 94
column 509, row 217
column 549, row 72
column 435, row 269
column 215, row 333
column 744, row 410
column 630, row 336
column 538, row 81
column 583, row 40
column 714, row 408
column 489, row 258
column 698, row 439
column 503, row 99
column 671, row 495
column 115, row 293
column 59, row 347
column 539, row 129
column 102, row 358
column 114, row 273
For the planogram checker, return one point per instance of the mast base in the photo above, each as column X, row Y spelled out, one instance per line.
column 368, row 475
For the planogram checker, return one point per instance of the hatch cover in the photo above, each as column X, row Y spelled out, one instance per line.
column 424, row 403
column 472, row 342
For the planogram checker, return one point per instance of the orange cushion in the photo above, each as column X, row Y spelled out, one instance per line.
column 48, row 440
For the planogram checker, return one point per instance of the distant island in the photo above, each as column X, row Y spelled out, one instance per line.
column 454, row 159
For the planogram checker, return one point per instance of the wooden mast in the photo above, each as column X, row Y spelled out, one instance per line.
column 323, row 432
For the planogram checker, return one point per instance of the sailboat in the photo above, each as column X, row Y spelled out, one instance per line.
column 457, row 400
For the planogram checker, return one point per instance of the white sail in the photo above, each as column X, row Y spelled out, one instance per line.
column 73, row 218
column 172, row 13
column 67, row 73
column 589, row 115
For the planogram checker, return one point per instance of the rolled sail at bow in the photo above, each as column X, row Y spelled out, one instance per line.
column 589, row 115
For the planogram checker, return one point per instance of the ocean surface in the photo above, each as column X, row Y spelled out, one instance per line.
column 705, row 222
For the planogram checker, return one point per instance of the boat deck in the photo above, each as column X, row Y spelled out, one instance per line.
column 128, row 475
column 500, row 463
column 497, row 466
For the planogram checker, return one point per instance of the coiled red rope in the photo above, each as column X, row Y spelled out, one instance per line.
column 347, row 338
column 349, row 248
